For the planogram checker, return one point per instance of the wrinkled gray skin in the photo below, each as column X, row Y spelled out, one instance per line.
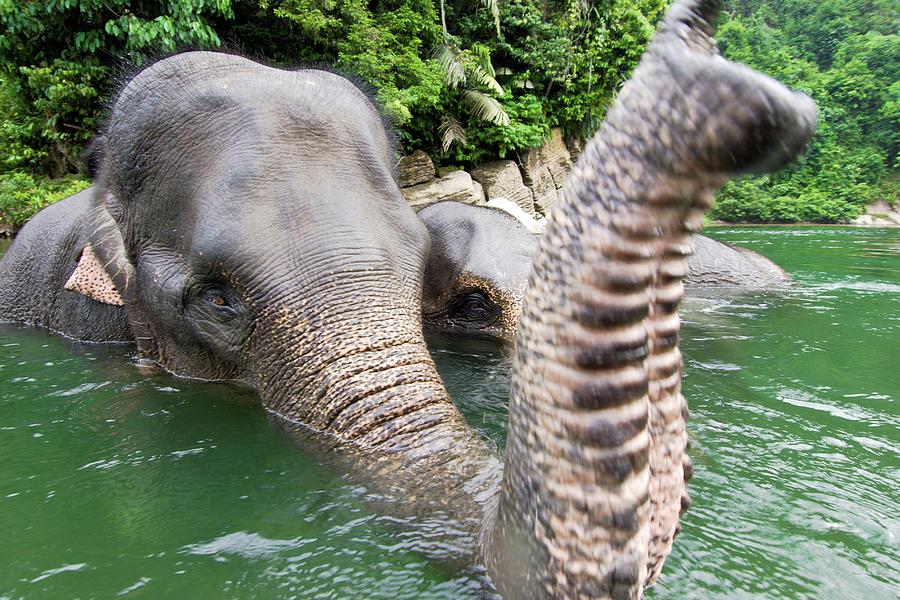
column 717, row 265
column 477, row 269
column 481, row 258
column 241, row 253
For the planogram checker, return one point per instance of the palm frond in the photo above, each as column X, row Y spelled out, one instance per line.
column 482, row 56
column 451, row 131
column 485, row 108
column 482, row 77
column 477, row 63
column 448, row 59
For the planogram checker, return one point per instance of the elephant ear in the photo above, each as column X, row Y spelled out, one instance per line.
column 91, row 279
column 104, row 272
column 108, row 247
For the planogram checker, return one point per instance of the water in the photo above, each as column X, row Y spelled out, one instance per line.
column 112, row 483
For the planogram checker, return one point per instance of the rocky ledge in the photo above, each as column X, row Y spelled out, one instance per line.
column 532, row 184
column 879, row 214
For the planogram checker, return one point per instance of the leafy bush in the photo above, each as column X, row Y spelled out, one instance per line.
column 539, row 63
column 23, row 195
column 527, row 128
column 56, row 60
column 849, row 67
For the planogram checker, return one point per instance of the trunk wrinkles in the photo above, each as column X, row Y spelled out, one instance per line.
column 595, row 466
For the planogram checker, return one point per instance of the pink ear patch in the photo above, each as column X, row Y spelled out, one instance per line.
column 90, row 279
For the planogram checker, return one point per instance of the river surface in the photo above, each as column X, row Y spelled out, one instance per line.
column 117, row 484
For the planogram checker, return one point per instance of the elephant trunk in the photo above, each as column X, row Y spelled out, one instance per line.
column 379, row 391
column 595, row 465
column 388, row 420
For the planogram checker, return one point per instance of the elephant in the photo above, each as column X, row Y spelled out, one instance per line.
column 477, row 269
column 481, row 258
column 716, row 265
column 222, row 229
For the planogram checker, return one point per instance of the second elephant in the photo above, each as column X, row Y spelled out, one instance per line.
column 480, row 260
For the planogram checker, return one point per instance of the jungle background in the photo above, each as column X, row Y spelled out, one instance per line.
column 466, row 80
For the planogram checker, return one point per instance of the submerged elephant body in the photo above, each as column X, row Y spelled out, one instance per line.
column 717, row 265
column 319, row 310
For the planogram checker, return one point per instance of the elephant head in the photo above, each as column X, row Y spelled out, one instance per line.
column 249, row 221
column 476, row 271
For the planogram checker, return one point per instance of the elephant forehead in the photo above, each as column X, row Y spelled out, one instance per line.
column 216, row 117
column 178, row 78
column 501, row 246
column 282, row 241
column 485, row 247
column 196, row 101
column 505, row 267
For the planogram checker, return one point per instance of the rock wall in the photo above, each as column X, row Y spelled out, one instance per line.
column 545, row 169
column 415, row 168
column 879, row 214
column 533, row 183
column 502, row 179
column 457, row 186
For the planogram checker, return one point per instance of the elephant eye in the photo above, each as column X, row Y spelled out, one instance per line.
column 475, row 305
column 220, row 300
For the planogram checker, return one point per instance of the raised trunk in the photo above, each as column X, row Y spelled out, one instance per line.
column 595, row 469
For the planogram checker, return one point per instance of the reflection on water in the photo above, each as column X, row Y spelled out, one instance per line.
column 113, row 483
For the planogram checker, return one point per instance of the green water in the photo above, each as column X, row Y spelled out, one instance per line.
column 114, row 483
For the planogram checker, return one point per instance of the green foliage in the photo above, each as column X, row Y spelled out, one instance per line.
column 527, row 128
column 19, row 131
column 572, row 54
column 57, row 56
column 465, row 70
column 750, row 200
column 22, row 195
column 844, row 54
column 64, row 99
column 388, row 47
column 55, row 63
column 471, row 80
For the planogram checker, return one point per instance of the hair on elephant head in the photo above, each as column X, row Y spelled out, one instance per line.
column 477, row 269
column 248, row 220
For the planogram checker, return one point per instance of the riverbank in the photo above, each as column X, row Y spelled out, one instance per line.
column 532, row 183
column 874, row 225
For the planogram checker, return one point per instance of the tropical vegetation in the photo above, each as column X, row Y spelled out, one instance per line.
column 846, row 55
column 466, row 80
